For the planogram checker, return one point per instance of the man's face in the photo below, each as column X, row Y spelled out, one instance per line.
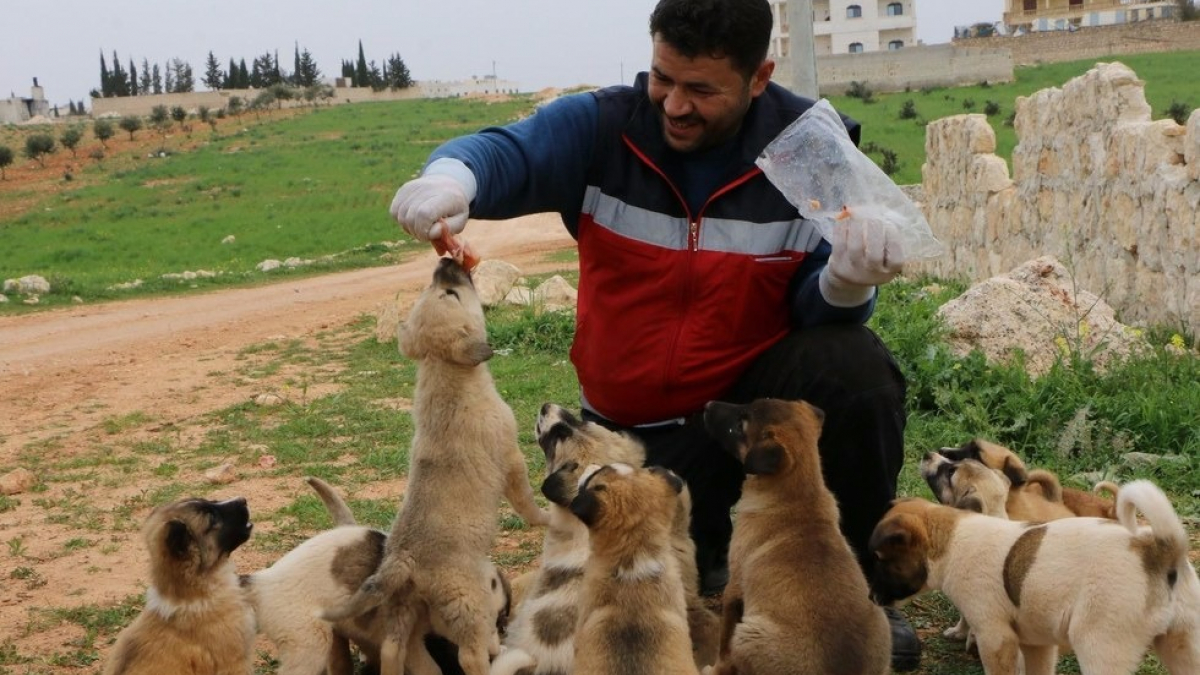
column 701, row 100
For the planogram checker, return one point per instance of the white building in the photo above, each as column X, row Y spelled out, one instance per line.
column 14, row 109
column 1046, row 15
column 850, row 26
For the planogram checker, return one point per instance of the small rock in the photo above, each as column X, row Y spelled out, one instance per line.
column 268, row 265
column 17, row 481
column 268, row 400
column 221, row 474
column 1146, row 459
column 229, row 239
column 266, row 461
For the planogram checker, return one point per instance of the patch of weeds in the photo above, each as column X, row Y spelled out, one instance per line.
column 122, row 423
column 29, row 575
column 16, row 547
column 10, row 656
column 8, row 503
column 166, row 470
column 79, row 543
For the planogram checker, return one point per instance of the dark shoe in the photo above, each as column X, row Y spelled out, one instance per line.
column 906, row 648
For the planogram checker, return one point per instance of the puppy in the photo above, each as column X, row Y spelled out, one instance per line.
column 541, row 637
column 797, row 600
column 967, row 484
column 633, row 615
column 324, row 571
column 196, row 620
column 1105, row 589
column 464, row 458
column 1035, row 495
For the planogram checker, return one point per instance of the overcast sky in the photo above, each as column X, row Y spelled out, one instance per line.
column 536, row 43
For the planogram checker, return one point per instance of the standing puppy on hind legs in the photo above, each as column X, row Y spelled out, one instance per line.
column 797, row 602
column 464, row 458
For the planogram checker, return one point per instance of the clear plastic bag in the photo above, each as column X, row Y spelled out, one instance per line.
column 819, row 170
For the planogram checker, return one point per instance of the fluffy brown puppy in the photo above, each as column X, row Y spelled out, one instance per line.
column 464, row 458
column 797, row 601
column 632, row 615
column 196, row 620
column 1105, row 589
column 1036, row 495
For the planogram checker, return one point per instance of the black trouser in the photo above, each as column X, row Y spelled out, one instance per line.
column 842, row 369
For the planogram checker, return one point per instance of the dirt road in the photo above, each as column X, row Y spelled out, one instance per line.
column 66, row 374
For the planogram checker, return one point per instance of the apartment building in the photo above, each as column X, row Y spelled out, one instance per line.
column 1028, row 16
column 851, row 26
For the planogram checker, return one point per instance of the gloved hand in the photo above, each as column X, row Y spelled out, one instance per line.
column 424, row 205
column 867, row 252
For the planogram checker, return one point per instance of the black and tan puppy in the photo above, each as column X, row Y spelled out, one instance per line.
column 541, row 636
column 196, row 620
column 1107, row 590
column 632, row 614
column 1034, row 495
column 463, row 459
column 797, row 601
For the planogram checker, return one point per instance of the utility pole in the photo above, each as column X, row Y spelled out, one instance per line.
column 802, row 51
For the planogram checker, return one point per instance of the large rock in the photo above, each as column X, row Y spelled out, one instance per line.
column 27, row 285
column 493, row 280
column 1037, row 309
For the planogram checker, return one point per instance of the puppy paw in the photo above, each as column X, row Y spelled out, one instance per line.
column 958, row 632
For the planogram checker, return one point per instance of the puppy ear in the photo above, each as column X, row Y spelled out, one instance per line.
column 406, row 339
column 670, row 476
column 764, row 459
column 970, row 502
column 473, row 352
column 178, row 539
column 820, row 414
column 585, row 506
column 1015, row 471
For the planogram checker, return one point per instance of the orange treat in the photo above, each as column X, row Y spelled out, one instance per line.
column 459, row 249
column 843, row 214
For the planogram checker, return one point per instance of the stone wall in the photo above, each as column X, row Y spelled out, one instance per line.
column 1096, row 183
column 1160, row 35
column 911, row 67
column 215, row 100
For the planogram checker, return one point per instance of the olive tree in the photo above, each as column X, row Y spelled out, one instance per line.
column 37, row 146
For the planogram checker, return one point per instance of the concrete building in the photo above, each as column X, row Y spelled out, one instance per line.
column 1033, row 16
column 14, row 110
column 850, row 26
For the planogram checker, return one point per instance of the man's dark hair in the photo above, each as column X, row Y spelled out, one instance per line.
column 737, row 29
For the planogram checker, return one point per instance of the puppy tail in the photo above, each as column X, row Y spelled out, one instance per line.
column 1107, row 486
column 512, row 661
column 1144, row 496
column 341, row 513
column 1048, row 483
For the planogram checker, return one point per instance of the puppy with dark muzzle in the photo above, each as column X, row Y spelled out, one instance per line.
column 797, row 601
column 196, row 620
column 541, row 637
column 632, row 612
column 1105, row 589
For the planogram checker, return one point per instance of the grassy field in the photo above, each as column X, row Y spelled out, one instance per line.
column 1169, row 78
column 318, row 183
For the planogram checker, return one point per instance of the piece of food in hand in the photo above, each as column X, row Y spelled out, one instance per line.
column 459, row 249
column 843, row 214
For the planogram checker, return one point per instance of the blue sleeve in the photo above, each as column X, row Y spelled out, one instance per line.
column 536, row 165
column 809, row 307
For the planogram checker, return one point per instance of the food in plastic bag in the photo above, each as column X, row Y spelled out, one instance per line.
column 819, row 170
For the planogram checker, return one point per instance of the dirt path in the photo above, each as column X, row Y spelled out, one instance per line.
column 64, row 373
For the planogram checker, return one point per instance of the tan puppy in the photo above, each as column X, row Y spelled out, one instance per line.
column 541, row 636
column 797, row 601
column 633, row 615
column 324, row 571
column 464, row 458
column 1035, row 495
column 196, row 620
column 1105, row 589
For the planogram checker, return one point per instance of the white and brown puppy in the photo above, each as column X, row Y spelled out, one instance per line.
column 797, row 601
column 541, row 637
column 1035, row 495
column 1104, row 589
column 322, row 572
column 967, row 484
column 196, row 620
column 464, row 458
column 633, row 613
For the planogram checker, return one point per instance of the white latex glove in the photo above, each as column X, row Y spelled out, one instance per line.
column 425, row 206
column 867, row 252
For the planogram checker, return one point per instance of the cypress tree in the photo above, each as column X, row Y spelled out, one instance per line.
column 362, row 77
column 105, row 81
column 133, row 79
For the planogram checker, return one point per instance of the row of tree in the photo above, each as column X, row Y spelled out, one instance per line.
column 176, row 75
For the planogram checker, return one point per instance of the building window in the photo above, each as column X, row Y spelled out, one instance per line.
column 1030, row 6
column 895, row 9
column 895, row 45
column 854, row 12
column 856, row 47
column 1076, row 3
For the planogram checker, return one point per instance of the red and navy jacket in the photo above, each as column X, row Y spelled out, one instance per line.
column 674, row 303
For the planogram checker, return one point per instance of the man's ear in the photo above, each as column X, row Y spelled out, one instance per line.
column 764, row 459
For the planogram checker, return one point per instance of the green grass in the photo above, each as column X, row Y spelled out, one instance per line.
column 1169, row 78
column 307, row 186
